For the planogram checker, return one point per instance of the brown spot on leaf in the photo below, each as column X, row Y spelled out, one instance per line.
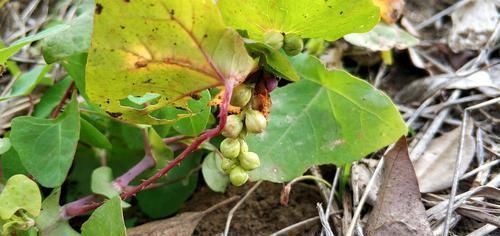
column 195, row 96
column 114, row 114
column 98, row 8
column 140, row 64
column 127, row 1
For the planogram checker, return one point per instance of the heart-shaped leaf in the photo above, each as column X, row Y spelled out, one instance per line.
column 20, row 192
column 171, row 48
column 107, row 220
column 49, row 222
column 46, row 147
column 328, row 117
column 326, row 19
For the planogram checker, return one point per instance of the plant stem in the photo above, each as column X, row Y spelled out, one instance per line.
column 194, row 145
column 87, row 204
column 76, row 208
column 65, row 97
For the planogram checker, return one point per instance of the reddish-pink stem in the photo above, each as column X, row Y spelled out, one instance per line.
column 88, row 203
column 123, row 181
column 77, row 207
column 194, row 145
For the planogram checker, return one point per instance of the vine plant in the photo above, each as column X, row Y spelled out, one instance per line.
column 150, row 73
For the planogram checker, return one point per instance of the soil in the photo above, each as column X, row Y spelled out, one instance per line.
column 261, row 208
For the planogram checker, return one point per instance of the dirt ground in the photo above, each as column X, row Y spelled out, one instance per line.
column 262, row 207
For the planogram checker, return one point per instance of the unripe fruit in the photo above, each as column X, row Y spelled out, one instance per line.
column 255, row 121
column 230, row 148
column 238, row 176
column 274, row 39
column 293, row 44
column 243, row 146
column 228, row 164
column 233, row 127
column 241, row 95
column 249, row 160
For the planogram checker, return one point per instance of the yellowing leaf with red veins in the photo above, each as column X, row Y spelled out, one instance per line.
column 390, row 10
column 173, row 49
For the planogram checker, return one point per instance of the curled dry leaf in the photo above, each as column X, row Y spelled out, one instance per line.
column 435, row 167
column 361, row 174
column 390, row 10
column 399, row 210
column 473, row 25
column 421, row 89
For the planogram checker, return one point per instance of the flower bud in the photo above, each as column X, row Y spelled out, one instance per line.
column 255, row 121
column 228, row 164
column 293, row 44
column 249, row 160
column 238, row 176
column 241, row 95
column 274, row 39
column 230, row 148
column 233, row 127
column 243, row 146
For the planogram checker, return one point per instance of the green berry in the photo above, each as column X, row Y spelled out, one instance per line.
column 233, row 127
column 249, row 160
column 274, row 39
column 255, row 121
column 243, row 146
column 238, row 176
column 293, row 44
column 228, row 164
column 230, row 148
column 241, row 95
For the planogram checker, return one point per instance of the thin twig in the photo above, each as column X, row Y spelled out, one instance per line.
column 240, row 202
column 442, row 13
column 460, row 157
column 299, row 224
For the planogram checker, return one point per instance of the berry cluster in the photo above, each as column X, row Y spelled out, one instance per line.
column 291, row 43
column 237, row 160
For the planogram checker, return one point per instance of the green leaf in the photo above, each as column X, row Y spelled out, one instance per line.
column 91, row 135
column 177, row 187
column 107, row 220
column 27, row 82
column 172, row 48
column 75, row 66
column 49, row 221
column 197, row 122
column 4, row 145
column 20, row 193
column 383, row 37
column 79, row 179
column 46, row 147
column 328, row 117
column 215, row 178
column 102, row 182
column 11, row 164
column 274, row 60
column 71, row 41
column 328, row 20
column 51, row 98
column 7, row 52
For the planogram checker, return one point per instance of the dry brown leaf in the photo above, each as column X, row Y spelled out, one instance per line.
column 390, row 10
column 399, row 210
column 473, row 25
column 435, row 168
column 181, row 225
